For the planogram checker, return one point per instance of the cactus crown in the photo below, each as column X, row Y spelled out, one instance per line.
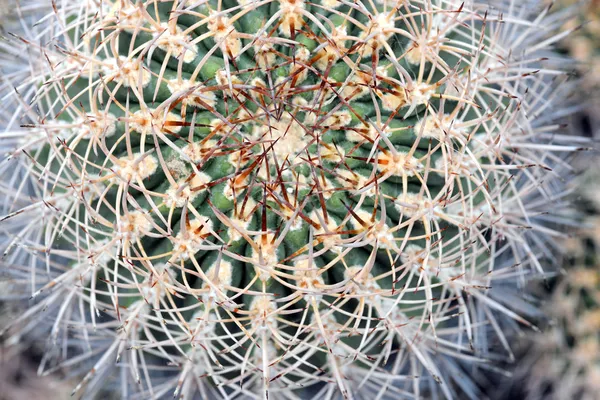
column 271, row 195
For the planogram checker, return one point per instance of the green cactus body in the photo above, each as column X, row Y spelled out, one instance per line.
column 272, row 195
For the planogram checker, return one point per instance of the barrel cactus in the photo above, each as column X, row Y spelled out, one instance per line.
column 271, row 199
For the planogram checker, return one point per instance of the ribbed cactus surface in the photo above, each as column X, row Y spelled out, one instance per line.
column 252, row 198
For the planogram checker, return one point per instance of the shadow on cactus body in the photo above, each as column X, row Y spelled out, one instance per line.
column 258, row 197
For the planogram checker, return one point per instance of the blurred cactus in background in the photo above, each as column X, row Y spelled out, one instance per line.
column 563, row 361
column 584, row 46
column 256, row 199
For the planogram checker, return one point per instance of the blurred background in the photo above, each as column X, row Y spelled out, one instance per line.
column 560, row 362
